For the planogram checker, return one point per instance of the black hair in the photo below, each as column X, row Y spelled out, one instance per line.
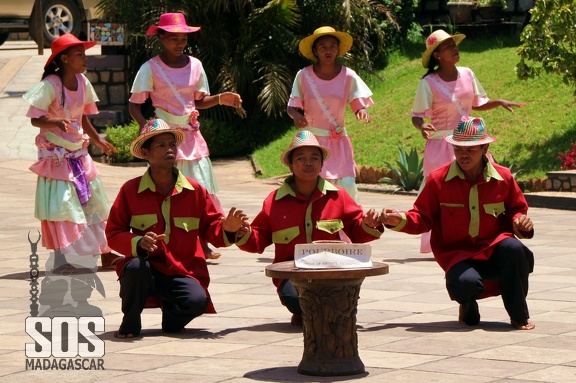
column 55, row 67
column 432, row 64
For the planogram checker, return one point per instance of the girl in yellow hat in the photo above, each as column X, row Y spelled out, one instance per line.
column 318, row 102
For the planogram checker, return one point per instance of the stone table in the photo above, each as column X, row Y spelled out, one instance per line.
column 329, row 300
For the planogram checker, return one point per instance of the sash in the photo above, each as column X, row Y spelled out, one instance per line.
column 336, row 131
column 192, row 118
column 448, row 93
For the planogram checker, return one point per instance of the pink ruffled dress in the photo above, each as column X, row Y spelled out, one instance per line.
column 173, row 92
column 347, row 88
column 70, row 200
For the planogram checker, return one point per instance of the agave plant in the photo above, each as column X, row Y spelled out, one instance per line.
column 409, row 172
column 510, row 165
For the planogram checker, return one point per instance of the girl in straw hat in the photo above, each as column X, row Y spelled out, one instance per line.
column 70, row 200
column 306, row 208
column 444, row 95
column 318, row 102
column 177, row 85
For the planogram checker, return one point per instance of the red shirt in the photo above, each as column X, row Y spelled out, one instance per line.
column 288, row 219
column 183, row 216
column 467, row 218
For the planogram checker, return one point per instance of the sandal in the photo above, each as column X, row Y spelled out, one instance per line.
column 110, row 260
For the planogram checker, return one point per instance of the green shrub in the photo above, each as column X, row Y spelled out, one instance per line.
column 409, row 172
column 121, row 136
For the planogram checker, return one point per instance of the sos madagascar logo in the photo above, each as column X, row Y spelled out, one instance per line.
column 62, row 323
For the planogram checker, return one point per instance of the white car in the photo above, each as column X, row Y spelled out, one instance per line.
column 58, row 17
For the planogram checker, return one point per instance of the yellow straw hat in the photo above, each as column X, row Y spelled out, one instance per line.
column 306, row 43
column 304, row 138
column 435, row 39
column 153, row 128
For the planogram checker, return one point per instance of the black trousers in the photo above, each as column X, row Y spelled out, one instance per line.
column 183, row 298
column 289, row 297
column 510, row 263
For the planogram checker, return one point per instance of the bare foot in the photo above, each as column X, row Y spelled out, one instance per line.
column 123, row 336
column 208, row 252
column 523, row 325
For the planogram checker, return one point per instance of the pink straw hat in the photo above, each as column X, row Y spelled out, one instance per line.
column 153, row 128
column 303, row 138
column 471, row 131
column 171, row 22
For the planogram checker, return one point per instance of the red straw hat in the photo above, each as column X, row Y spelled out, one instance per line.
column 303, row 138
column 171, row 22
column 150, row 129
column 471, row 131
column 64, row 42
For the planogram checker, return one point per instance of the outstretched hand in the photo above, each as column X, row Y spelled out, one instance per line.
column 371, row 218
column 508, row 105
column 234, row 221
column 390, row 217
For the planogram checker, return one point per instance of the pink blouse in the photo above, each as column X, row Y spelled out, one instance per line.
column 153, row 80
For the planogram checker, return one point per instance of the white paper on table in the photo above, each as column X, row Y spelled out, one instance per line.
column 332, row 255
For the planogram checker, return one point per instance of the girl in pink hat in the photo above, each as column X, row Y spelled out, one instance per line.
column 320, row 95
column 70, row 200
column 444, row 95
column 177, row 85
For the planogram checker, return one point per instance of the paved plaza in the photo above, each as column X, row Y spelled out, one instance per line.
column 407, row 326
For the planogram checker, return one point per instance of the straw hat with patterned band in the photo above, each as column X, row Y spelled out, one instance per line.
column 471, row 131
column 303, row 138
column 171, row 22
column 64, row 42
column 306, row 43
column 435, row 39
column 153, row 128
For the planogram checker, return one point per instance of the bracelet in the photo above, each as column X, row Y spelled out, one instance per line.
column 219, row 103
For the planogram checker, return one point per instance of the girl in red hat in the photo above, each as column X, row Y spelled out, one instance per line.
column 70, row 200
column 177, row 85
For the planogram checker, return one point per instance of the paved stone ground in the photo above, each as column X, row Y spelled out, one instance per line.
column 407, row 325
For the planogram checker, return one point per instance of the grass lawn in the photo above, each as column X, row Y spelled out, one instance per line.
column 531, row 137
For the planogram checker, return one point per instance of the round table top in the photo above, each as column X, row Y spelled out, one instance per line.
column 287, row 270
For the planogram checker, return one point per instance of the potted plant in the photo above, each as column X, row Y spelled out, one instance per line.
column 460, row 10
column 490, row 9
